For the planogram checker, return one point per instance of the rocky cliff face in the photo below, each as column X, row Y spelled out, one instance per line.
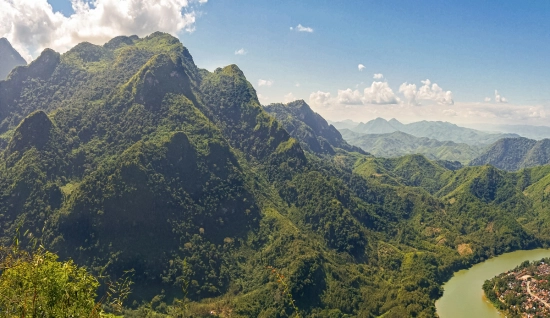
column 312, row 130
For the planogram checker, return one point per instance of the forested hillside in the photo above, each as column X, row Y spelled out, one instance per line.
column 515, row 153
column 398, row 144
column 128, row 156
column 312, row 130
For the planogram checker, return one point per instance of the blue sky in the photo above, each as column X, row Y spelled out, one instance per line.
column 470, row 48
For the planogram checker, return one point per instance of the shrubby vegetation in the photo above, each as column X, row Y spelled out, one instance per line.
column 128, row 157
column 36, row 284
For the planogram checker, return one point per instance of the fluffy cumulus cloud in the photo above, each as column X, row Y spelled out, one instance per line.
column 499, row 98
column 263, row 82
column 378, row 76
column 379, row 100
column 349, row 97
column 289, row 98
column 241, row 52
column 409, row 91
column 32, row 26
column 379, row 93
column 319, row 99
column 301, row 28
column 428, row 91
column 360, row 67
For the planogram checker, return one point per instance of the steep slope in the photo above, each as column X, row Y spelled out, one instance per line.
column 10, row 58
column 141, row 157
column 128, row 156
column 398, row 144
column 312, row 130
column 515, row 153
column 441, row 131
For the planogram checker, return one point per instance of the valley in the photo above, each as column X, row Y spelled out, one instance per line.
column 128, row 156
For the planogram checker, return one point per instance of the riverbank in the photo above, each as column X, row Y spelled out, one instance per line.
column 463, row 294
column 523, row 291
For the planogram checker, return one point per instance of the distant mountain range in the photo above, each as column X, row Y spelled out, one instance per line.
column 441, row 131
column 397, row 143
column 10, row 58
column 130, row 156
column 312, row 130
column 515, row 153
column 527, row 131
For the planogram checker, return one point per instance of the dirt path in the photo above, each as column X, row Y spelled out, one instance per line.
column 535, row 296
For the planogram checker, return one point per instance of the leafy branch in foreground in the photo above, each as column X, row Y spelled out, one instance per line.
column 286, row 289
column 36, row 284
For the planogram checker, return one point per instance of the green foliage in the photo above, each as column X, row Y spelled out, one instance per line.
column 515, row 153
column 312, row 130
column 38, row 285
column 140, row 160
column 398, row 144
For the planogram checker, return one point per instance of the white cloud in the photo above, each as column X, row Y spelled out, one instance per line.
column 289, row 98
column 379, row 93
column 409, row 91
column 450, row 112
column 503, row 113
column 360, row 67
column 487, row 99
column 241, row 52
column 319, row 99
column 267, row 83
column 32, row 25
column 431, row 91
column 378, row 76
column 427, row 91
column 499, row 99
column 301, row 28
column 349, row 97
column 297, row 85
column 262, row 98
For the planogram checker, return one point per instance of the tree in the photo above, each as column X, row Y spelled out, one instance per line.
column 36, row 284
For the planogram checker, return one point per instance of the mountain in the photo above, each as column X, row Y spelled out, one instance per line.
column 515, row 153
column 375, row 126
column 396, row 124
column 527, row 131
column 398, row 144
column 312, row 130
column 442, row 131
column 345, row 124
column 127, row 156
column 10, row 58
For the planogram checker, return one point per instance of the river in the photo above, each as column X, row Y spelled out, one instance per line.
column 463, row 296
